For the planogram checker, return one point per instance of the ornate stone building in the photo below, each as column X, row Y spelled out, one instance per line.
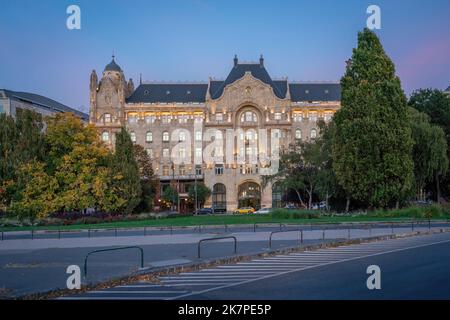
column 225, row 118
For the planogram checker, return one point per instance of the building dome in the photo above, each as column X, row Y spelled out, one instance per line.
column 113, row 66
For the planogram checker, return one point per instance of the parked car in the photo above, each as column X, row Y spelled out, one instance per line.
column 245, row 210
column 319, row 206
column 202, row 211
column 263, row 211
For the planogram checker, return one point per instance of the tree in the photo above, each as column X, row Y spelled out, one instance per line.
column 203, row 193
column 429, row 150
column 126, row 172
column 147, row 179
column 436, row 105
column 372, row 142
column 303, row 169
column 169, row 196
column 21, row 141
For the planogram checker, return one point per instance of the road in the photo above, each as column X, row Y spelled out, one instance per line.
column 411, row 268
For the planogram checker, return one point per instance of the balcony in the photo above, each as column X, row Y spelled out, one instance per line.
column 181, row 177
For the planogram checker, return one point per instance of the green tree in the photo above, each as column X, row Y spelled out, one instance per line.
column 372, row 142
column 436, row 105
column 169, row 196
column 126, row 170
column 203, row 193
column 147, row 179
column 429, row 151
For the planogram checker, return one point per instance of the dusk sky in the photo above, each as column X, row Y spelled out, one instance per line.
column 194, row 39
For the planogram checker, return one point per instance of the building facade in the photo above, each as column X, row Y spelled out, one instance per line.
column 12, row 101
column 183, row 126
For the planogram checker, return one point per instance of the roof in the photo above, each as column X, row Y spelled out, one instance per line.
column 113, row 66
column 256, row 69
column 448, row 89
column 169, row 93
column 44, row 102
column 327, row 91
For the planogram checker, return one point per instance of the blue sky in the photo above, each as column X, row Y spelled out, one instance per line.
column 194, row 39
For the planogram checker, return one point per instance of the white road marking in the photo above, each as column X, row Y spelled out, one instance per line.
column 306, row 268
column 137, row 291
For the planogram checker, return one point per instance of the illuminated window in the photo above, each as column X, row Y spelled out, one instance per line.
column 198, row 136
column 298, row 134
column 150, row 153
column 105, row 136
column 277, row 116
column 149, row 119
column 107, row 118
column 165, row 136
column 133, row 136
column 183, row 118
column 313, row 133
column 298, row 117
column 182, row 136
column 165, row 118
column 132, row 118
column 165, row 152
column 198, row 152
column 219, row 117
column 149, row 136
column 249, row 116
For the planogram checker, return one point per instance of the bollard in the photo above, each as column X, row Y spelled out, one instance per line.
column 59, row 234
column 392, row 227
column 412, row 226
column 89, row 232
column 2, row 235
column 429, row 224
column 145, row 231
column 115, row 232
column 323, row 235
column 32, row 234
column 349, row 233
column 171, row 230
column 301, row 236
column 254, row 227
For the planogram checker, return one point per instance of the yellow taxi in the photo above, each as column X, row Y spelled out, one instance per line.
column 245, row 210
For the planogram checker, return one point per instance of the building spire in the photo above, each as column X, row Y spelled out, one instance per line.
column 261, row 61
column 140, row 78
column 235, row 60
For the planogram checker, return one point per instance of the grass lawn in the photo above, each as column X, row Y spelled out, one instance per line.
column 210, row 220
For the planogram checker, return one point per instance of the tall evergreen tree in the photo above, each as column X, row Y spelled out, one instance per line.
column 147, row 178
column 372, row 145
column 125, row 167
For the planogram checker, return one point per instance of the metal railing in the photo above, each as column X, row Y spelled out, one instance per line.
column 113, row 249
column 284, row 231
column 214, row 239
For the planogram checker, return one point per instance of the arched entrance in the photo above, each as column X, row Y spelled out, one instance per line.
column 249, row 195
column 219, row 198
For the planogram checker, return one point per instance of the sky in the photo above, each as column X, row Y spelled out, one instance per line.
column 191, row 40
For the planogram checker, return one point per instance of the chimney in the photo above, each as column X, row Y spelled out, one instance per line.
column 261, row 61
column 235, row 60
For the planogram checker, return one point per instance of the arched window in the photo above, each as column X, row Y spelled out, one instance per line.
column 277, row 196
column 133, row 136
column 313, row 133
column 107, row 117
column 298, row 134
column 105, row 136
column 149, row 136
column 219, row 197
column 249, row 116
column 165, row 136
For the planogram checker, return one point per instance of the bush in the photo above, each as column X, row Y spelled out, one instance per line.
column 295, row 214
column 429, row 212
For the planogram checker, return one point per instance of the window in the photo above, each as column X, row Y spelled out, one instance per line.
column 198, row 118
column 328, row 116
column 198, row 136
column 249, row 116
column 198, row 152
column 198, row 170
column 276, row 133
column 165, row 119
column 165, row 152
column 313, row 116
column 219, row 117
column 165, row 136
column 183, row 118
column 298, row 117
column 149, row 136
column 132, row 118
column 251, row 135
column 277, row 116
column 182, row 153
column 133, row 136
column 218, row 170
column 107, row 118
column 219, row 196
column 182, row 136
column 149, row 119
column 165, row 171
column 150, row 153
column 105, row 136
column 313, row 133
column 182, row 170
column 298, row 134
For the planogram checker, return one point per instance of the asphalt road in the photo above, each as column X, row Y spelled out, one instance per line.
column 411, row 268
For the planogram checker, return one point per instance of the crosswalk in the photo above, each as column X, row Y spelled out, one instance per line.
column 186, row 284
